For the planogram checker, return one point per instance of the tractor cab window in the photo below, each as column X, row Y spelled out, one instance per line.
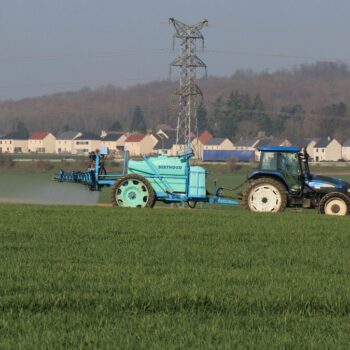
column 289, row 162
column 286, row 164
column 268, row 161
column 289, row 166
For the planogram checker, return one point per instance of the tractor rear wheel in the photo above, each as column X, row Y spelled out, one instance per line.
column 132, row 191
column 265, row 195
column 334, row 203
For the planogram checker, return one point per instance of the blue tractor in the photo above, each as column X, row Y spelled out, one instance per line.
column 283, row 179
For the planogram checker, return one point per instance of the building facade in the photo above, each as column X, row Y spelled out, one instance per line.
column 65, row 141
column 42, row 142
column 139, row 144
column 13, row 143
column 326, row 149
column 86, row 143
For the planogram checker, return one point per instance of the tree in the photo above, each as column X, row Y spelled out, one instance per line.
column 66, row 127
column 21, row 130
column 138, row 122
column 289, row 121
column 262, row 120
column 116, row 126
column 202, row 120
column 237, row 110
column 216, row 118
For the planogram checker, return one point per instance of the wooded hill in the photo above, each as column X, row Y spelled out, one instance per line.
column 311, row 100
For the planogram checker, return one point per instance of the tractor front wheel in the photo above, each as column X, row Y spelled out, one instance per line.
column 334, row 203
column 132, row 191
column 265, row 195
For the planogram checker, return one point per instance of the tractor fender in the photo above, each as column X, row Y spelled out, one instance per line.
column 257, row 175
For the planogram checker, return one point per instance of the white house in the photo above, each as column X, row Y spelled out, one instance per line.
column 346, row 150
column 218, row 144
column 166, row 140
column 310, row 144
column 138, row 144
column 42, row 142
column 13, row 143
column 246, row 145
column 86, row 143
column 64, row 141
column 114, row 140
column 199, row 142
column 326, row 149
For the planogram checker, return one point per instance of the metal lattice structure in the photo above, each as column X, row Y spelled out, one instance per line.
column 189, row 92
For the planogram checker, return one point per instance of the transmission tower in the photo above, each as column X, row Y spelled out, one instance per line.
column 188, row 91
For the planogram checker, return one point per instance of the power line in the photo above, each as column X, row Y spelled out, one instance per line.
column 138, row 52
column 278, row 55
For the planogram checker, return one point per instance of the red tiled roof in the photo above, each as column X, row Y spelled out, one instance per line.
column 205, row 137
column 39, row 135
column 135, row 137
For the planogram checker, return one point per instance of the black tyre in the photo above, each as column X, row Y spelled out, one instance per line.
column 265, row 195
column 132, row 191
column 335, row 204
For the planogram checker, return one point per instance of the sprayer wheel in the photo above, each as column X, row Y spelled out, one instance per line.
column 132, row 191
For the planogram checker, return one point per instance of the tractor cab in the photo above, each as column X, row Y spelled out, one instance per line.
column 287, row 164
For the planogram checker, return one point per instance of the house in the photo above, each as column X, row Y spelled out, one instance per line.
column 114, row 140
column 140, row 144
column 218, row 144
column 199, row 142
column 166, row 141
column 326, row 149
column 346, row 150
column 13, row 143
column 42, row 142
column 246, row 144
column 308, row 143
column 64, row 141
column 85, row 143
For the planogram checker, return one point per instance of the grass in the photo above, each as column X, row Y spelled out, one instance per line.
column 87, row 277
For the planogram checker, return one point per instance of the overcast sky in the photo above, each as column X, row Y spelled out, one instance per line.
column 56, row 45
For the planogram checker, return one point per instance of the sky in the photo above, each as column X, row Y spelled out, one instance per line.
column 48, row 46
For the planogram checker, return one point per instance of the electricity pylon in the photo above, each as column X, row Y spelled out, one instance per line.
column 188, row 91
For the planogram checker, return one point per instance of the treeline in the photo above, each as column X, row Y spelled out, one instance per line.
column 239, row 116
column 311, row 100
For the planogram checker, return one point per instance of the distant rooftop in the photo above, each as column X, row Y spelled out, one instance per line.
column 112, row 137
column 347, row 143
column 166, row 142
column 264, row 142
column 215, row 141
column 13, row 136
column 68, row 135
column 137, row 137
column 204, row 137
column 39, row 135
column 323, row 142
column 88, row 136
column 246, row 142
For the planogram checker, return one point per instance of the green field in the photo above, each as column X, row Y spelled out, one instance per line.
column 87, row 277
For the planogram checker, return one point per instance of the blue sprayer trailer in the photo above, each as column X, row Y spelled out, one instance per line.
column 169, row 179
